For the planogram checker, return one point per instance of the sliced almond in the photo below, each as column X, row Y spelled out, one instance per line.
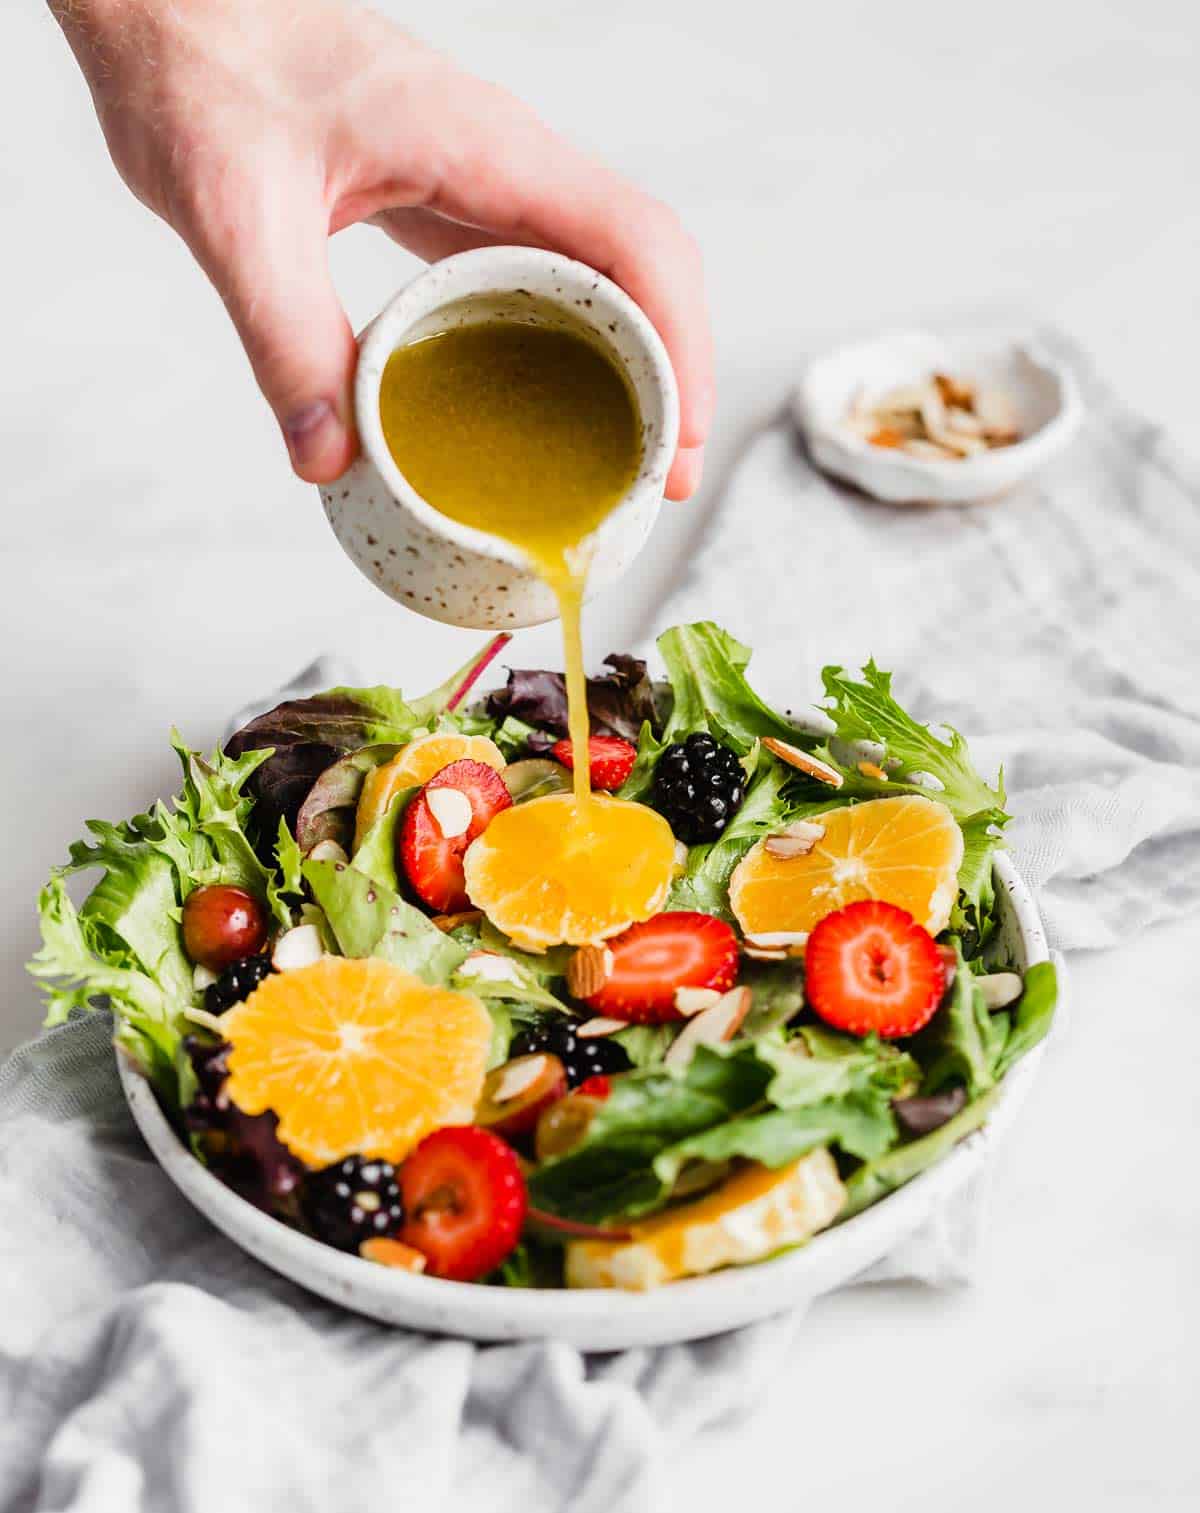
column 713, row 1026
column 489, row 966
column 910, row 397
column 998, row 416
column 202, row 977
column 328, row 851
column 517, row 1076
column 777, row 940
column 873, row 770
column 796, row 839
column 955, row 441
column 999, row 989
column 761, row 953
column 933, row 411
column 794, row 756
column 387, row 1252
column 963, row 423
column 679, row 866
column 954, row 391
column 588, row 970
column 299, row 947
column 451, row 810
column 689, row 1001
column 448, row 922
column 929, row 451
column 593, row 1029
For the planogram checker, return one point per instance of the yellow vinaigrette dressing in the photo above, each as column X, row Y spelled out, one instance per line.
column 532, row 434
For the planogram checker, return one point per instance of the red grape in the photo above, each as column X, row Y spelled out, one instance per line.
column 221, row 925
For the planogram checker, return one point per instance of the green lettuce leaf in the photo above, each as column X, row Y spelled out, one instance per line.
column 205, row 832
column 707, row 670
column 124, row 946
column 1032, row 1017
column 369, row 919
column 657, row 1120
column 973, row 914
column 290, row 859
column 646, row 1044
column 704, row 884
column 864, row 710
column 776, row 995
column 376, row 857
column 965, row 1044
column 82, row 964
column 962, row 1042
column 861, row 1124
column 875, row 1179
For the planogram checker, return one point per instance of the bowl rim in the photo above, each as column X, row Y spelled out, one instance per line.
column 600, row 1318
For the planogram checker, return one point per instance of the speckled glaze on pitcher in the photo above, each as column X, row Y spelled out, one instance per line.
column 453, row 572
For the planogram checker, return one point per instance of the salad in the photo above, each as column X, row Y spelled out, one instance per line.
column 374, row 1022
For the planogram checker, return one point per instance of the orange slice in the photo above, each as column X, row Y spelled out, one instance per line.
column 416, row 764
column 906, row 851
column 356, row 1057
column 553, row 871
column 755, row 1212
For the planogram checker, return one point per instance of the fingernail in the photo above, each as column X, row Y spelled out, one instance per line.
column 305, row 432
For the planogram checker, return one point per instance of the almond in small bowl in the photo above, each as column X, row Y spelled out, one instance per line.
column 909, row 419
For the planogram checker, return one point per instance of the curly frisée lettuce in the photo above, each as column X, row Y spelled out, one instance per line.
column 125, row 944
column 710, row 692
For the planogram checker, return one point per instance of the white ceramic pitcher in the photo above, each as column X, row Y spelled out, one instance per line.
column 453, row 572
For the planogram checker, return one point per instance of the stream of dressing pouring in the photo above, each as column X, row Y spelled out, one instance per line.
column 493, row 484
column 530, row 434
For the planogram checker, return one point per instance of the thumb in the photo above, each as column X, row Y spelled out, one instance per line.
column 274, row 279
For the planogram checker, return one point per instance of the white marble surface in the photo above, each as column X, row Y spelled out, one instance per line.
column 844, row 166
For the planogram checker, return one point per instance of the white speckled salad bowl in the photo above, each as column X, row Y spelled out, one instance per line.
column 603, row 1319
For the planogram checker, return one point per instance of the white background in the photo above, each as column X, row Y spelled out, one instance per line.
column 843, row 165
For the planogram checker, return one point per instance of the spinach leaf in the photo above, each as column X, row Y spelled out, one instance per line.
column 368, row 919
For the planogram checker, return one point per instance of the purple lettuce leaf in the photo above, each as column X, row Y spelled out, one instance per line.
column 619, row 703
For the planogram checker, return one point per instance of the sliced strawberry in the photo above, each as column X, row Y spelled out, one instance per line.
column 464, row 1201
column 680, row 949
column 611, row 759
column 871, row 966
column 431, row 844
column 598, row 1086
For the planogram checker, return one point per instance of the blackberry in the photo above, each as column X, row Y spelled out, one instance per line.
column 581, row 1059
column 237, row 982
column 698, row 786
column 354, row 1200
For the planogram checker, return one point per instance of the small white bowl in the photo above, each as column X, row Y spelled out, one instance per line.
column 1044, row 392
column 422, row 558
column 599, row 1318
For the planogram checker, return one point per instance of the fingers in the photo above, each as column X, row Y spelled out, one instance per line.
column 268, row 262
column 503, row 171
column 684, row 478
column 429, row 235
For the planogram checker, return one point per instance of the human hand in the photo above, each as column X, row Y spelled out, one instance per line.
column 258, row 131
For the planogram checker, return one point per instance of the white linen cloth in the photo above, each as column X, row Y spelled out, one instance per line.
column 147, row 1364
